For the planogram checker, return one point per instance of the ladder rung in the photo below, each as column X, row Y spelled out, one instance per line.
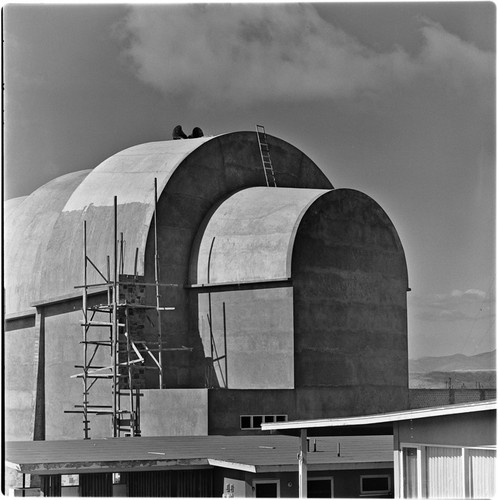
column 93, row 406
column 90, row 367
column 97, row 342
column 89, row 411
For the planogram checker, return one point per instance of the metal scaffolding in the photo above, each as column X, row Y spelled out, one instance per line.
column 117, row 327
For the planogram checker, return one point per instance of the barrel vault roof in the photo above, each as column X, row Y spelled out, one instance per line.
column 44, row 231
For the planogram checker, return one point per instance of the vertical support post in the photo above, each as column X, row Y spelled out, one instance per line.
column 121, row 253
column 115, row 334
column 108, row 279
column 156, row 278
column 303, row 464
column 398, row 472
column 210, row 317
column 225, row 341
column 135, row 268
column 85, row 336
column 129, row 372
column 466, row 473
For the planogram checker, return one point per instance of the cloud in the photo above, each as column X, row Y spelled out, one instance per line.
column 471, row 294
column 457, row 305
column 286, row 51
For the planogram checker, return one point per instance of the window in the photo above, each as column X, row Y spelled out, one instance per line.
column 374, row 485
column 254, row 421
column 266, row 488
column 320, row 487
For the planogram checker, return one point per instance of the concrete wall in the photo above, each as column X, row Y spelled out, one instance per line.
column 174, row 412
column 298, row 404
column 21, row 357
column 256, row 325
column 350, row 283
column 63, row 351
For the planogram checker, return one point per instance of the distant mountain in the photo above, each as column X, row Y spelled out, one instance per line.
column 455, row 362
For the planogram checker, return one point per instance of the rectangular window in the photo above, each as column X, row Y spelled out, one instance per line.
column 320, row 487
column 257, row 420
column 245, row 422
column 373, row 485
column 266, row 488
column 254, row 422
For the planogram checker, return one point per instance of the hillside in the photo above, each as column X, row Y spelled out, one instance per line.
column 455, row 362
column 464, row 371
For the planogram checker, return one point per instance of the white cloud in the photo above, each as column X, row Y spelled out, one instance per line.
column 287, row 51
column 471, row 294
column 456, row 305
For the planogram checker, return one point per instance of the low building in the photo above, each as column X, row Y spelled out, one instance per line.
column 439, row 452
column 202, row 466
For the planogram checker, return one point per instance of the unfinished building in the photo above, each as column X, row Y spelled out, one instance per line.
column 239, row 292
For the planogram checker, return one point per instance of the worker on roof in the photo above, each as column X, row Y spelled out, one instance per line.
column 178, row 133
column 197, row 132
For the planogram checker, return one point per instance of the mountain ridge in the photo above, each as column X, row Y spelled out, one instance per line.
column 455, row 362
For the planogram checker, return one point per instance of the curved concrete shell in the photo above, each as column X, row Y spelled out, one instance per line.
column 287, row 277
column 44, row 249
column 250, row 236
column 29, row 227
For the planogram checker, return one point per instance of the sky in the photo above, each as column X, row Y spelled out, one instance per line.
column 393, row 99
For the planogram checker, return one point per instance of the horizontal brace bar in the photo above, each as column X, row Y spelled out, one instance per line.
column 132, row 283
column 93, row 406
column 90, row 367
column 283, row 281
column 96, row 342
column 88, row 411
column 100, row 323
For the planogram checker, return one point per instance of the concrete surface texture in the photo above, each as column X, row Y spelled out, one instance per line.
column 28, row 231
column 250, row 237
column 350, row 284
column 174, row 412
column 345, row 310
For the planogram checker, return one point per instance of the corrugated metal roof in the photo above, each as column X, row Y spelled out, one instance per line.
column 253, row 453
column 383, row 418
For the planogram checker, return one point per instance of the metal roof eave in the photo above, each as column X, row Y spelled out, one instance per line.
column 105, row 466
column 361, row 424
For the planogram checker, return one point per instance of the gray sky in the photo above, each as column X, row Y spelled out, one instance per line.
column 396, row 100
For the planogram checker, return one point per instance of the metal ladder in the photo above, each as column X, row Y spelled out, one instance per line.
column 265, row 156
